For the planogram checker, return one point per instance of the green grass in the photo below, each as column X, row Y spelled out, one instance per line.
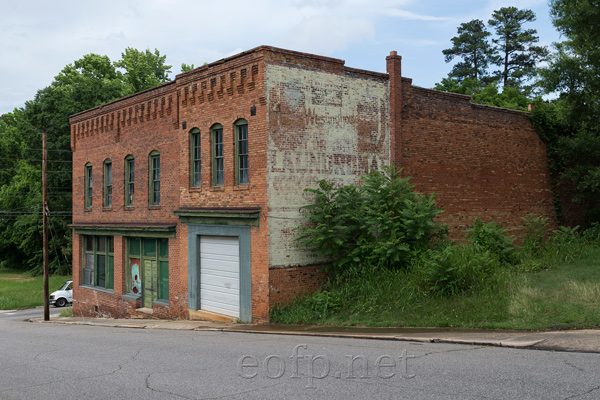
column 19, row 290
column 67, row 312
column 566, row 294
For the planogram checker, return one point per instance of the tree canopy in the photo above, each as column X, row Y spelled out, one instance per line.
column 513, row 49
column 517, row 55
column 472, row 47
column 87, row 82
column 143, row 69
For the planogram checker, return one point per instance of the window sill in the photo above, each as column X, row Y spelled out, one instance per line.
column 217, row 188
column 156, row 207
column 98, row 288
column 107, row 208
column 128, row 208
column 161, row 302
column 195, row 189
column 87, row 209
column 243, row 186
column 131, row 296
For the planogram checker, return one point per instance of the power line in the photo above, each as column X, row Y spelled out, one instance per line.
column 50, row 172
column 56, row 151
column 34, row 212
column 34, row 160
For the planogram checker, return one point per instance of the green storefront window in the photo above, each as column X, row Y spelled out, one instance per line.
column 134, row 246
column 111, row 267
column 164, row 248
column 163, row 289
column 149, row 247
column 98, row 262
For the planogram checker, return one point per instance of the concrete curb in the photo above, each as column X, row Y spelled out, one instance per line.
column 574, row 341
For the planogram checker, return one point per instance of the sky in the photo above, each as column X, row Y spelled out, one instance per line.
column 38, row 38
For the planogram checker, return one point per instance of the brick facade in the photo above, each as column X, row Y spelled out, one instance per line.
column 308, row 118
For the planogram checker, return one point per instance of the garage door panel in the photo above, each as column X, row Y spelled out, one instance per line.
column 221, row 310
column 219, row 275
column 229, row 286
column 216, row 275
column 225, row 300
column 216, row 265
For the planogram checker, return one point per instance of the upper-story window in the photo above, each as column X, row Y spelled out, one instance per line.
column 88, row 185
column 241, row 149
column 129, row 180
column 107, row 184
column 196, row 164
column 217, row 155
column 154, row 178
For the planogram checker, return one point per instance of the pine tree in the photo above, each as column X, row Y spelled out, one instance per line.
column 473, row 47
column 517, row 55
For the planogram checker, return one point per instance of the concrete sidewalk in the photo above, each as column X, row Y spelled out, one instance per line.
column 587, row 340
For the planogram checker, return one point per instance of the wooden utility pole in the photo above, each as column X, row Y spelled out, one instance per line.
column 45, row 226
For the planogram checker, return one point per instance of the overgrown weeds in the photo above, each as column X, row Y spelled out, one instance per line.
column 551, row 280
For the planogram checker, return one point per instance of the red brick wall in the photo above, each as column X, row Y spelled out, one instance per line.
column 291, row 282
column 136, row 125
column 223, row 93
column 220, row 93
column 480, row 161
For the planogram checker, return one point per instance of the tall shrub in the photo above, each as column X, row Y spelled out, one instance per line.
column 382, row 222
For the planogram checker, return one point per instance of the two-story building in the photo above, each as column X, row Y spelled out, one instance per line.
column 186, row 196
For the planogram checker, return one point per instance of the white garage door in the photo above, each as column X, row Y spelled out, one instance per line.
column 220, row 275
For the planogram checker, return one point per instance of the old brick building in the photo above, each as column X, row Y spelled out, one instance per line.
column 186, row 196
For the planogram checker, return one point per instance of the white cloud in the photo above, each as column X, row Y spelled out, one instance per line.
column 38, row 38
column 409, row 15
column 325, row 34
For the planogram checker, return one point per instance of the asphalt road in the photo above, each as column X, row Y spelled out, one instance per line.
column 54, row 361
column 25, row 315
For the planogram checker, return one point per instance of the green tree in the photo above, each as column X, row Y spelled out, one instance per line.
column 572, row 73
column 143, row 69
column 185, row 67
column 472, row 46
column 573, row 68
column 517, row 55
column 88, row 82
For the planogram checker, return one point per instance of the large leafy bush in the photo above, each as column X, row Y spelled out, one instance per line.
column 382, row 222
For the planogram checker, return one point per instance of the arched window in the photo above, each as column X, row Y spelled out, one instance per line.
column 195, row 161
column 129, row 180
column 154, row 179
column 88, row 185
column 107, row 189
column 241, row 152
column 217, row 155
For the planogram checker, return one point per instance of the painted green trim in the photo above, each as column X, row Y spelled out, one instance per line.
column 238, row 124
column 107, row 187
column 151, row 181
column 96, row 253
column 243, row 234
column 129, row 183
column 153, row 231
column 221, row 221
column 88, row 185
column 215, row 130
column 97, row 288
column 219, row 218
column 195, row 138
column 131, row 296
